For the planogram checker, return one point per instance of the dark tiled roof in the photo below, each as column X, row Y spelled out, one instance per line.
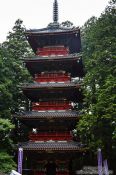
column 52, row 29
column 52, row 146
column 72, row 57
column 54, row 85
column 56, row 114
column 71, row 63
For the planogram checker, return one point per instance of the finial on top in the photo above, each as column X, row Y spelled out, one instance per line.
column 55, row 11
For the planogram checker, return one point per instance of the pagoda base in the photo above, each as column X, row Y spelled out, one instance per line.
column 63, row 163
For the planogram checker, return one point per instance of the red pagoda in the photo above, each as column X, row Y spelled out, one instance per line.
column 51, row 147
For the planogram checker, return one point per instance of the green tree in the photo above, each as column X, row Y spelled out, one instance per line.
column 97, row 126
column 6, row 162
column 67, row 24
column 6, row 145
column 16, row 48
column 12, row 75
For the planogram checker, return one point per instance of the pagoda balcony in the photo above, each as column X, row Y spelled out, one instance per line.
column 52, row 77
column 51, row 106
column 52, row 50
column 55, row 136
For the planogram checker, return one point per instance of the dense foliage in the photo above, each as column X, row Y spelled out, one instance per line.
column 97, row 126
column 12, row 74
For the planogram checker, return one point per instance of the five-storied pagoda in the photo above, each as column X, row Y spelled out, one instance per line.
column 51, row 147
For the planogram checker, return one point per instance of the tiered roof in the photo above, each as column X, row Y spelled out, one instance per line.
column 69, row 114
column 53, row 146
column 53, row 36
column 70, row 63
column 69, row 91
column 34, row 119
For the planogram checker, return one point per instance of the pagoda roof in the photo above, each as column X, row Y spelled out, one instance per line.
column 71, row 63
column 53, row 28
column 54, row 119
column 37, row 85
column 54, row 57
column 52, row 146
column 69, row 91
column 53, row 35
column 68, row 114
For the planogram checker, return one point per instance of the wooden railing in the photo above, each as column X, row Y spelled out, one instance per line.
column 52, row 77
column 50, row 136
column 51, row 106
column 52, row 50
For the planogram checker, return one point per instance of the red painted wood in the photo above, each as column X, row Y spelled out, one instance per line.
column 52, row 50
column 50, row 136
column 52, row 77
column 42, row 106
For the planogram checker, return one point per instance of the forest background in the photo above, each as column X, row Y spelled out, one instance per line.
column 97, row 125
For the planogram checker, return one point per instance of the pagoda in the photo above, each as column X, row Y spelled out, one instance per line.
column 51, row 147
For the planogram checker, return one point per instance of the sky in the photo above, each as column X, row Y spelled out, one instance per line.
column 39, row 13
